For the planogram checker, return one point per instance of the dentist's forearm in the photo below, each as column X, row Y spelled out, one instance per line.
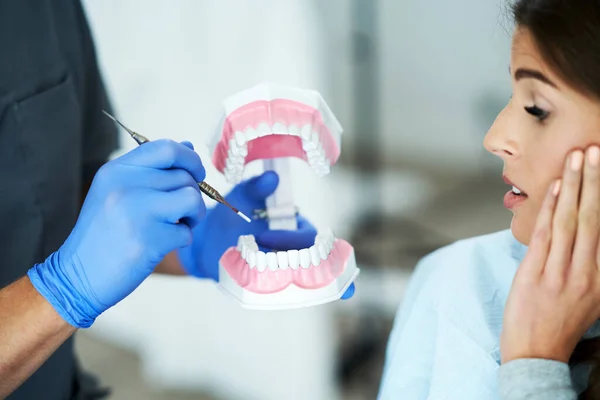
column 30, row 331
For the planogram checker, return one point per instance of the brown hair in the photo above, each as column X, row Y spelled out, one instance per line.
column 567, row 35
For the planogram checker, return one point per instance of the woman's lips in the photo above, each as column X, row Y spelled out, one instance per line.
column 515, row 196
column 511, row 199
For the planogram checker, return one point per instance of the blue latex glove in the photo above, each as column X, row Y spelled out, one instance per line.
column 127, row 225
column 221, row 229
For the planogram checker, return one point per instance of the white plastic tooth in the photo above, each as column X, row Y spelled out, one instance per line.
column 314, row 137
column 228, row 177
column 244, row 150
column 234, row 150
column 264, row 132
column 325, row 163
column 261, row 261
column 232, row 143
column 280, row 128
column 239, row 243
column 233, row 178
column 251, row 259
column 240, row 139
column 244, row 250
column 328, row 246
column 238, row 133
column 320, row 150
column 304, row 258
column 330, row 241
column 321, row 239
column 294, row 130
column 272, row 261
column 231, row 165
column 282, row 259
column 315, row 162
column 233, row 171
column 305, row 132
column 314, row 256
column 323, row 252
column 316, row 156
column 308, row 146
column 293, row 259
column 252, row 246
column 251, row 134
column 263, row 129
column 237, row 165
column 320, row 161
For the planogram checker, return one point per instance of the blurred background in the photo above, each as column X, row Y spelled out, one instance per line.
column 415, row 84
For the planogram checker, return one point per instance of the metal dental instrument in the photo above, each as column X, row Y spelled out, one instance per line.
column 204, row 187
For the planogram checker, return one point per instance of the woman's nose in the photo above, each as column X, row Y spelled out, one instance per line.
column 498, row 140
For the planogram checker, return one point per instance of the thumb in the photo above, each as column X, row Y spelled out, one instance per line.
column 260, row 187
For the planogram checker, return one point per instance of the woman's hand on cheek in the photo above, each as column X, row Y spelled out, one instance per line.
column 555, row 296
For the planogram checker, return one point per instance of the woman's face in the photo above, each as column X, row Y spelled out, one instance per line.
column 542, row 123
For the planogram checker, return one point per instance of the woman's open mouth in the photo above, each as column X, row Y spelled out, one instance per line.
column 514, row 197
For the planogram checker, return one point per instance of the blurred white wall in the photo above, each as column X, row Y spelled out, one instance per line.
column 440, row 64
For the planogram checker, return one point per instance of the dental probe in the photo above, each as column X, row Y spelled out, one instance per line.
column 204, row 187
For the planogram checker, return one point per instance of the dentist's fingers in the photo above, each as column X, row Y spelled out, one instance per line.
column 564, row 224
column 166, row 154
column 259, row 187
column 187, row 143
column 182, row 205
column 283, row 240
column 165, row 180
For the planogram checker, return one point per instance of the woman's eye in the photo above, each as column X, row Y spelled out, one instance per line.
column 537, row 112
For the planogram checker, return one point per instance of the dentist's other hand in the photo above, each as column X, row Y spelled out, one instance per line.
column 221, row 229
column 140, row 207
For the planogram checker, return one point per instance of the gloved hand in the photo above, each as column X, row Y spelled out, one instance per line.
column 139, row 208
column 221, row 229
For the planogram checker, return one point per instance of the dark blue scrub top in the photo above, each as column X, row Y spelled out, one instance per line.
column 53, row 138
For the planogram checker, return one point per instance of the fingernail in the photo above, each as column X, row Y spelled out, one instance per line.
column 594, row 156
column 556, row 188
column 576, row 160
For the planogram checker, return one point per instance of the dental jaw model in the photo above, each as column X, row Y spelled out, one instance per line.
column 272, row 123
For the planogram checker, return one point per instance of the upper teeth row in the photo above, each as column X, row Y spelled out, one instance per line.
column 516, row 190
column 238, row 148
column 285, row 259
